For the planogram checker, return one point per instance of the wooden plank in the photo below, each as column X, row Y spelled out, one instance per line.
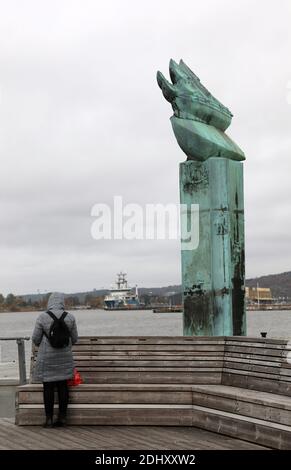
column 85, row 369
column 158, row 361
column 250, row 360
column 279, row 346
column 107, row 386
column 154, row 345
column 133, row 354
column 152, row 377
column 150, row 339
column 259, row 357
column 115, row 416
column 253, row 350
column 150, row 347
column 263, row 384
column 114, row 396
column 250, row 373
column 250, row 367
column 248, row 339
column 141, row 364
column 146, row 357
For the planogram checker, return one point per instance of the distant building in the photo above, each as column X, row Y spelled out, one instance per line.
column 169, row 294
column 259, row 295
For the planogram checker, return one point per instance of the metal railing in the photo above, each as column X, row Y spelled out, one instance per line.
column 21, row 355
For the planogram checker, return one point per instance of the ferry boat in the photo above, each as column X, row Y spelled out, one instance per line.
column 122, row 297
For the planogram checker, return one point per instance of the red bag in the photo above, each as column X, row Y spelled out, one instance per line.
column 76, row 380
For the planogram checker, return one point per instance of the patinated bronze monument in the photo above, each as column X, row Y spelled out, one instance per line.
column 211, row 179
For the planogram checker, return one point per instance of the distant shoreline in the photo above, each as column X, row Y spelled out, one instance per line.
column 21, row 311
column 268, row 307
column 71, row 309
column 253, row 308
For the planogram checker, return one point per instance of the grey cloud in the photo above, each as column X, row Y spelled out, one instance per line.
column 82, row 120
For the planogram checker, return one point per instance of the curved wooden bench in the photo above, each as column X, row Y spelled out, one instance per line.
column 253, row 401
column 235, row 386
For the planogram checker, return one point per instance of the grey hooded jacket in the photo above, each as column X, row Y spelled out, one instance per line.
column 53, row 364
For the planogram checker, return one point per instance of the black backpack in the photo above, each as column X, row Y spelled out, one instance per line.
column 59, row 334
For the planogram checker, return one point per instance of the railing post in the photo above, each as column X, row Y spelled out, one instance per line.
column 21, row 361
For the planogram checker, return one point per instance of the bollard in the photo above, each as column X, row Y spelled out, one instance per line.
column 21, row 361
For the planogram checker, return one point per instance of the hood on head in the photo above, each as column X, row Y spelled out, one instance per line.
column 56, row 301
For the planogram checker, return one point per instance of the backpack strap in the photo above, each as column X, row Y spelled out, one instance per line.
column 63, row 316
column 51, row 315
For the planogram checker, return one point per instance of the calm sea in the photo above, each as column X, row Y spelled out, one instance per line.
column 139, row 323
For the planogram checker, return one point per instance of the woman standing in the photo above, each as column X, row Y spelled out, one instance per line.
column 54, row 365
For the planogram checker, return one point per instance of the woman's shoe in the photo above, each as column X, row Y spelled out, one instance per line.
column 48, row 422
column 61, row 421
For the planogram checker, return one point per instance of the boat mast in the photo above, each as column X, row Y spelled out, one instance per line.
column 121, row 281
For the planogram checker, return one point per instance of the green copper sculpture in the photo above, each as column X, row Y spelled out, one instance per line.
column 212, row 180
column 199, row 119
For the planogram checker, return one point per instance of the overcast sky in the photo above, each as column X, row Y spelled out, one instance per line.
column 82, row 119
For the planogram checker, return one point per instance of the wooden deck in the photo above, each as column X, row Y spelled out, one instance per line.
column 115, row 438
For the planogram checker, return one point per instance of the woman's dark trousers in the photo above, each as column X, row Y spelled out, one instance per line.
column 49, row 397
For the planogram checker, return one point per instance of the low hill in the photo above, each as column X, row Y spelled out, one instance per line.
column 280, row 284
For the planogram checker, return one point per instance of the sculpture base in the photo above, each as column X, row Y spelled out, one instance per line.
column 201, row 141
column 213, row 273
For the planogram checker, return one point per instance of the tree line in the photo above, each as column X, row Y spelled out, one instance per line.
column 14, row 303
